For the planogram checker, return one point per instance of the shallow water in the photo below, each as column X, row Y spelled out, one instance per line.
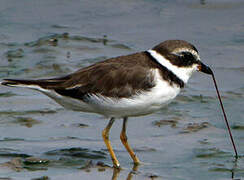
column 186, row 140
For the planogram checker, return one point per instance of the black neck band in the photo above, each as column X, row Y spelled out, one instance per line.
column 167, row 74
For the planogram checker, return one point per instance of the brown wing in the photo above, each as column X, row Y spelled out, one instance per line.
column 116, row 77
column 108, row 80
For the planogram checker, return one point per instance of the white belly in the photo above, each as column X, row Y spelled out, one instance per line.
column 140, row 104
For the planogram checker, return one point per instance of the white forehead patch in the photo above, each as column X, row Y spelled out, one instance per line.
column 179, row 50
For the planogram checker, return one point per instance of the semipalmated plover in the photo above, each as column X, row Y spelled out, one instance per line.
column 125, row 86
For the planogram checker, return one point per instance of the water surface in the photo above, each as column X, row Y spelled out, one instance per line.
column 186, row 140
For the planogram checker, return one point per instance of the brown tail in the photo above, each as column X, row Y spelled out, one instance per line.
column 14, row 82
column 44, row 83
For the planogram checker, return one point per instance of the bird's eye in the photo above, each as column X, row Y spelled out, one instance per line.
column 187, row 58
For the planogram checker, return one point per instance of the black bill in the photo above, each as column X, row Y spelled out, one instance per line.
column 204, row 68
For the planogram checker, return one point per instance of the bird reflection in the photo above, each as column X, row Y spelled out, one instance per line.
column 233, row 170
column 133, row 171
column 202, row 2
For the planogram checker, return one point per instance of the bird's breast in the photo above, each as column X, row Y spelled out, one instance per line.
column 142, row 103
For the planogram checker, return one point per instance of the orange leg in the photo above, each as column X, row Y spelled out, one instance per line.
column 123, row 139
column 105, row 135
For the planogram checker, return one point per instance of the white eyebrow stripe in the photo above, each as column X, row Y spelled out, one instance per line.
column 180, row 72
column 178, row 50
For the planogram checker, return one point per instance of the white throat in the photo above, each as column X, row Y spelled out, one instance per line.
column 183, row 73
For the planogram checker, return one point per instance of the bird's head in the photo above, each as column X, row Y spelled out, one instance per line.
column 180, row 57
